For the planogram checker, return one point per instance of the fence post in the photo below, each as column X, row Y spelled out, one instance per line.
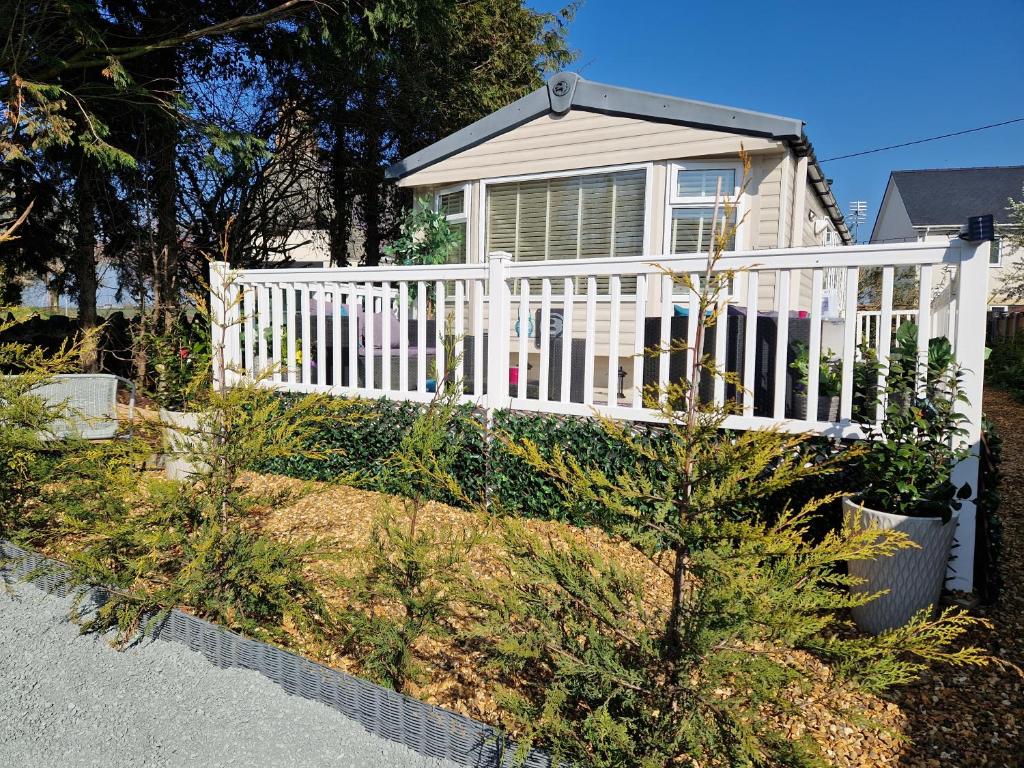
column 971, row 304
column 498, row 322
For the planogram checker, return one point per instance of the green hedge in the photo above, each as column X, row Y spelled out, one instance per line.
column 1005, row 366
column 516, row 488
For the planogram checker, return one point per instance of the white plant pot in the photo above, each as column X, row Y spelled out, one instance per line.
column 913, row 577
column 180, row 439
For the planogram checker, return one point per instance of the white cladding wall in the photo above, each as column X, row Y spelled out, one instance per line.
column 582, row 140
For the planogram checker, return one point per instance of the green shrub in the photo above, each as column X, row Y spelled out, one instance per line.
column 411, row 575
column 1005, row 365
column 688, row 656
column 362, row 448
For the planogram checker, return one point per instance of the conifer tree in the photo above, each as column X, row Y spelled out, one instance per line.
column 693, row 658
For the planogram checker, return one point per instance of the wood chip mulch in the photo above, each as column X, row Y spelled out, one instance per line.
column 341, row 518
column 974, row 718
column 954, row 718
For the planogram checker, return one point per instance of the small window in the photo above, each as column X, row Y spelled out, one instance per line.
column 692, row 229
column 995, row 255
column 703, row 184
column 453, row 204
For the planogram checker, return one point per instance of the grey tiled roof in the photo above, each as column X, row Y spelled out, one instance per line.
column 939, row 196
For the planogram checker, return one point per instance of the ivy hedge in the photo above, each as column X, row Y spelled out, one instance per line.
column 363, row 446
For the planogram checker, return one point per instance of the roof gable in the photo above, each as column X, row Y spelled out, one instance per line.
column 570, row 91
column 949, row 196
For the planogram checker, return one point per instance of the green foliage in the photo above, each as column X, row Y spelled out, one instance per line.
column 180, row 362
column 581, row 644
column 360, row 447
column 1005, row 365
column 908, row 464
column 27, row 454
column 865, row 383
column 830, row 370
column 412, row 575
column 165, row 544
column 691, row 656
column 424, row 237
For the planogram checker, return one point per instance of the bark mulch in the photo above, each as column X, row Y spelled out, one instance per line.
column 954, row 718
column 974, row 718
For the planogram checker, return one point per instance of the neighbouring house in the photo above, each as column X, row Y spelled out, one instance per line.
column 931, row 205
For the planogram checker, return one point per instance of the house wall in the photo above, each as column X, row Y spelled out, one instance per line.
column 893, row 223
column 580, row 139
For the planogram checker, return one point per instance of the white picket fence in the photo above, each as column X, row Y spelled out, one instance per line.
column 869, row 324
column 569, row 337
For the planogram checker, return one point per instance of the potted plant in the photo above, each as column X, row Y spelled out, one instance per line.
column 425, row 238
column 907, row 470
column 181, row 378
column 830, row 380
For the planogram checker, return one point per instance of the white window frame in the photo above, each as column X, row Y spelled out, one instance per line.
column 672, row 201
column 648, row 169
column 457, row 218
column 998, row 245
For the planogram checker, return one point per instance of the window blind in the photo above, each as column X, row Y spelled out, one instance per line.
column 691, row 230
column 577, row 217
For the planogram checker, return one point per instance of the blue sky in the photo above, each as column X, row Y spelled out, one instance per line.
column 860, row 75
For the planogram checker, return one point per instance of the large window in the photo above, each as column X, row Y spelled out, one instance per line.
column 453, row 202
column 576, row 217
column 692, row 192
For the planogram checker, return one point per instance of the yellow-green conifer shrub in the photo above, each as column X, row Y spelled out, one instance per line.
column 692, row 659
column 412, row 575
column 162, row 544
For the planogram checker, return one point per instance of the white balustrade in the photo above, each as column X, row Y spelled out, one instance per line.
column 589, row 336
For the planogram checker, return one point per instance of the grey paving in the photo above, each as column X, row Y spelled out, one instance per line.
column 72, row 700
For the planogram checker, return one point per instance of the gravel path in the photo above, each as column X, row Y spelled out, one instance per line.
column 974, row 717
column 72, row 700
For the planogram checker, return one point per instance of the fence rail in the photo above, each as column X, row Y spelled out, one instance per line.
column 569, row 337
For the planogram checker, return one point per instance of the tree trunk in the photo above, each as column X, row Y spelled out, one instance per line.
column 165, row 179
column 372, row 178
column 161, row 72
column 341, row 195
column 85, row 264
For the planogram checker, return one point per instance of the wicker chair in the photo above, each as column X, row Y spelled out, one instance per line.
column 90, row 404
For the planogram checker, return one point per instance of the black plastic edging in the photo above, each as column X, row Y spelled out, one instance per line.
column 428, row 730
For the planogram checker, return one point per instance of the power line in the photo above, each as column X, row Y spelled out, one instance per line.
column 922, row 141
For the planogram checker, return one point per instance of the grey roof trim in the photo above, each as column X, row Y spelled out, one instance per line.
column 803, row 148
column 568, row 90
column 613, row 100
